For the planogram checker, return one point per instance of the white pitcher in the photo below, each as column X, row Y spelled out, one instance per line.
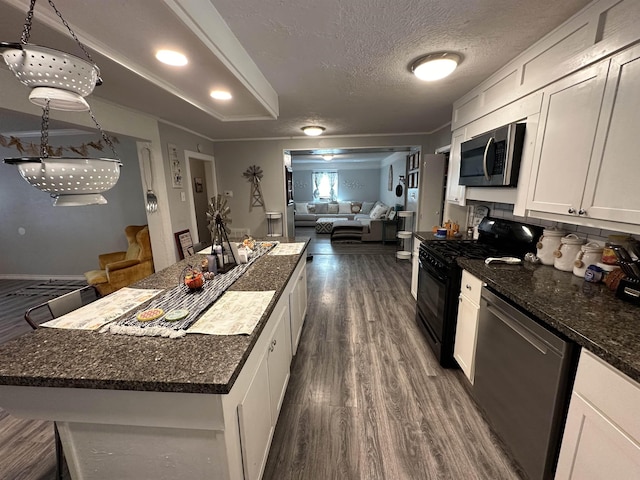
column 565, row 255
column 589, row 254
column 548, row 243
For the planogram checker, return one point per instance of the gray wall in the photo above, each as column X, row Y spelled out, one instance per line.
column 41, row 240
column 399, row 165
column 200, row 199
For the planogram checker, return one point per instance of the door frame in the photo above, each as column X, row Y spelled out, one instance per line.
column 211, row 185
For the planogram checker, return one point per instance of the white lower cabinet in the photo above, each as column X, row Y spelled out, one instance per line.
column 264, row 394
column 602, row 435
column 415, row 268
column 298, row 305
column 464, row 348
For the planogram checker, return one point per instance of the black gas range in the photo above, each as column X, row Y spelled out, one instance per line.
column 439, row 276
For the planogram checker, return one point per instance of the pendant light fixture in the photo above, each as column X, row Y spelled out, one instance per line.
column 60, row 81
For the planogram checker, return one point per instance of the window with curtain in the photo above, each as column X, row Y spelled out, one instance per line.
column 325, row 185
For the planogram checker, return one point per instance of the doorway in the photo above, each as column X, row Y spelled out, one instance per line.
column 202, row 185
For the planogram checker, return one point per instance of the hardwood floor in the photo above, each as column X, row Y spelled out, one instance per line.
column 366, row 399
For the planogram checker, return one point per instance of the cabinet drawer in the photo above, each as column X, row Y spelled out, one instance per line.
column 610, row 391
column 471, row 287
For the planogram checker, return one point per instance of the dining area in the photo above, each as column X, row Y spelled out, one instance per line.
column 131, row 394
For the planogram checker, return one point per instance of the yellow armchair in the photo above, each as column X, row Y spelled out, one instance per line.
column 119, row 269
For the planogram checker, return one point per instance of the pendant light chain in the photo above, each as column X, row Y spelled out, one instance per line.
column 105, row 137
column 26, row 29
column 64, row 22
column 44, row 131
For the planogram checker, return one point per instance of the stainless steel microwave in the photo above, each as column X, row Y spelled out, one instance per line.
column 493, row 159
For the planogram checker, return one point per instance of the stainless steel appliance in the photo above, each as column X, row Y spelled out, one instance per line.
column 523, row 377
column 439, row 276
column 493, row 159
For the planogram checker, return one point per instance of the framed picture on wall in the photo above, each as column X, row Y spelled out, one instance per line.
column 197, row 184
column 176, row 166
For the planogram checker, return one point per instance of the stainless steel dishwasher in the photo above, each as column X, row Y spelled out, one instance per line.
column 523, row 378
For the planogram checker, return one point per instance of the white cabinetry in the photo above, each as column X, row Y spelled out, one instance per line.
column 464, row 348
column 455, row 192
column 266, row 391
column 602, row 434
column 298, row 304
column 415, row 268
column 583, row 165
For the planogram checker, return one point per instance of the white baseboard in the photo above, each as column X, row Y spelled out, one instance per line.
column 18, row 276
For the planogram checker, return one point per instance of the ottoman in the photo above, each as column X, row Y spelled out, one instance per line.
column 348, row 231
column 325, row 224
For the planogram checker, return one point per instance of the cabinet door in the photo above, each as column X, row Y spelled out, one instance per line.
column 298, row 308
column 464, row 348
column 255, row 426
column 568, row 121
column 614, row 175
column 279, row 361
column 593, row 447
column 455, row 192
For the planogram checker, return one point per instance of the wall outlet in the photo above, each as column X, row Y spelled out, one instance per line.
column 183, row 196
column 228, row 193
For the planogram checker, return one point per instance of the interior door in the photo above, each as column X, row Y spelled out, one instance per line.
column 431, row 191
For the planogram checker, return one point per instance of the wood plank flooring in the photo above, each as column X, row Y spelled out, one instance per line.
column 366, row 399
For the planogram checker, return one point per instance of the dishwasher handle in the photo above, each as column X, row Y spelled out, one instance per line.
column 520, row 330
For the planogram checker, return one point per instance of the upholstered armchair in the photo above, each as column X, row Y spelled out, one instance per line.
column 119, row 269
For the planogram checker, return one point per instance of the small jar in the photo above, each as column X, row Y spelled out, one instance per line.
column 589, row 254
column 548, row 243
column 565, row 255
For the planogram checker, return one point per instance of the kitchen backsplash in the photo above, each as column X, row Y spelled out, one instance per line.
column 505, row 210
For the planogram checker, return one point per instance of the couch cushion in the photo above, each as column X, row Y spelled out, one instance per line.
column 344, row 207
column 366, row 207
column 332, row 208
column 301, row 207
column 305, row 217
column 322, row 208
column 311, row 208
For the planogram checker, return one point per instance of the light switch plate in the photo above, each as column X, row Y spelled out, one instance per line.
column 183, row 197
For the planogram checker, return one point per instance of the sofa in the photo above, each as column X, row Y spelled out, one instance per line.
column 371, row 215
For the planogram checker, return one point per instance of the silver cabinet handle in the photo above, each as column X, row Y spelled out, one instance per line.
column 582, row 212
column 484, row 158
column 468, row 286
column 572, row 210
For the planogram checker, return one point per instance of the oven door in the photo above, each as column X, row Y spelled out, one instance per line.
column 431, row 305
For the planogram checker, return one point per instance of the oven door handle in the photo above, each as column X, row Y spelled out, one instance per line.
column 432, row 272
column 484, row 157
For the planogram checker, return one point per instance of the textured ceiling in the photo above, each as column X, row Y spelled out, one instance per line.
column 341, row 64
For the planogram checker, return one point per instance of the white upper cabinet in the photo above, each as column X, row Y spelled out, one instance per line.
column 455, row 192
column 611, row 191
column 564, row 144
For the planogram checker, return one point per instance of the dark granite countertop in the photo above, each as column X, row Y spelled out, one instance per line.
column 586, row 313
column 50, row 357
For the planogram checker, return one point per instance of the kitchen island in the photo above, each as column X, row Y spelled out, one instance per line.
column 200, row 406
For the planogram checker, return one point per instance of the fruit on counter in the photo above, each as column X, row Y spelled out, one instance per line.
column 192, row 278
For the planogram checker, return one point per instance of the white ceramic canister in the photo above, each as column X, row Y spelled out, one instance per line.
column 566, row 254
column 548, row 243
column 589, row 254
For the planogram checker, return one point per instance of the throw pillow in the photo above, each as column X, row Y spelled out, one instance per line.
column 321, row 208
column 356, row 207
column 366, row 207
column 311, row 207
column 344, row 207
column 378, row 212
column 301, row 207
column 332, row 208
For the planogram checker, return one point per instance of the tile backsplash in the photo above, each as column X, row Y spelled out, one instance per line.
column 505, row 210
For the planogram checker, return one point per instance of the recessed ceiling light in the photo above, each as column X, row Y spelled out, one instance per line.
column 435, row 66
column 221, row 95
column 313, row 130
column 170, row 57
column 328, row 157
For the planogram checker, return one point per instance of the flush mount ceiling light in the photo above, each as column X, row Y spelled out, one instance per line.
column 313, row 130
column 435, row 66
column 221, row 95
column 328, row 157
column 170, row 57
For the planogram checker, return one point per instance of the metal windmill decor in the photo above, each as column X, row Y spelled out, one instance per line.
column 254, row 175
column 218, row 218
